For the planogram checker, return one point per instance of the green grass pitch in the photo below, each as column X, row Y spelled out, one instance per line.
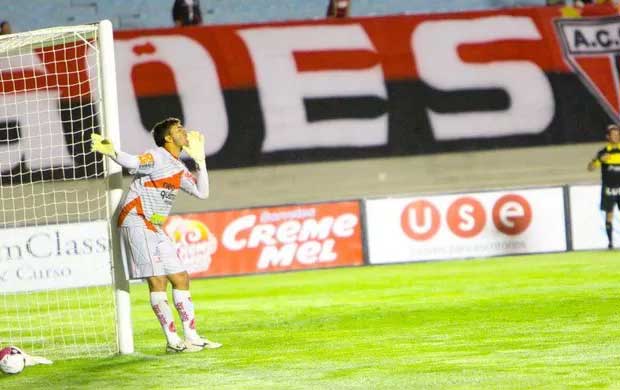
column 526, row 322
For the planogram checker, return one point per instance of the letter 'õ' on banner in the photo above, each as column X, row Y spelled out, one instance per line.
column 268, row 239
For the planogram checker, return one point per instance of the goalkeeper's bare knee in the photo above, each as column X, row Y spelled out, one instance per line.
column 179, row 281
column 157, row 283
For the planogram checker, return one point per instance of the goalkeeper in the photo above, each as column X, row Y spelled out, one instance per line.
column 151, row 254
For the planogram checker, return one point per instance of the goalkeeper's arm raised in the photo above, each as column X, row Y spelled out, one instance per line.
column 202, row 180
column 104, row 146
column 195, row 149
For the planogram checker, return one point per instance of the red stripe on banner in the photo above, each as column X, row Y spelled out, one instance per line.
column 516, row 50
column 144, row 84
column 62, row 68
column 330, row 60
column 391, row 37
column 599, row 71
column 23, row 80
column 391, row 40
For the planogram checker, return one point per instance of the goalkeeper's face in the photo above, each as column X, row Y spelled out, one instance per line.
column 178, row 135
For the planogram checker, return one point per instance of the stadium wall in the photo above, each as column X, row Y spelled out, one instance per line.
column 328, row 234
column 390, row 230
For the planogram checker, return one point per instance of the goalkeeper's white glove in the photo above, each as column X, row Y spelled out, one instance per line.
column 101, row 145
column 195, row 146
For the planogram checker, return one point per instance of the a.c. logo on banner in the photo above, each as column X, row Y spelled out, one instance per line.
column 591, row 47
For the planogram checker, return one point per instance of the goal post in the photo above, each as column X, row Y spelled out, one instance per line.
column 111, row 129
column 63, row 290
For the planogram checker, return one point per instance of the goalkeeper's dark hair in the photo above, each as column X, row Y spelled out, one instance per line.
column 162, row 129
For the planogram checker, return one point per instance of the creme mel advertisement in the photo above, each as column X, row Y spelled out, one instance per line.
column 268, row 239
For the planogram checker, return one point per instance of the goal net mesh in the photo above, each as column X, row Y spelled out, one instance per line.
column 56, row 296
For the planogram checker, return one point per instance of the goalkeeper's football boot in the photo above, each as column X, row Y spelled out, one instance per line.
column 183, row 347
column 203, row 343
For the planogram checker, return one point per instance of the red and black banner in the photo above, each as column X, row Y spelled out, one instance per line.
column 368, row 87
column 316, row 90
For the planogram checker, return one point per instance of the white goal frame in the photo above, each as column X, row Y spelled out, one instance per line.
column 50, row 188
column 111, row 130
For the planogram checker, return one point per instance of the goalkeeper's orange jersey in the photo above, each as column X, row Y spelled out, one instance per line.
column 157, row 181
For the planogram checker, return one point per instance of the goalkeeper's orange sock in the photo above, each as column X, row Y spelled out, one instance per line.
column 159, row 303
column 185, row 307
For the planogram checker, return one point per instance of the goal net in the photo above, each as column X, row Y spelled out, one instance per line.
column 56, row 292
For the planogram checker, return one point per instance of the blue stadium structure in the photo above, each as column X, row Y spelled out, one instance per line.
column 129, row 14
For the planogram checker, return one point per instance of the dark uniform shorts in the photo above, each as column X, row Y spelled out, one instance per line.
column 610, row 197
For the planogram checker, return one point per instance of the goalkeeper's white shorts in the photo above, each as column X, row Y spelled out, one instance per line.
column 149, row 253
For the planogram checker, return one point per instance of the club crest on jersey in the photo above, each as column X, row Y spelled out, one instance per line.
column 146, row 160
column 591, row 46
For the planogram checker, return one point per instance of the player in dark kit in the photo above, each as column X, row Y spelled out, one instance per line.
column 608, row 159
